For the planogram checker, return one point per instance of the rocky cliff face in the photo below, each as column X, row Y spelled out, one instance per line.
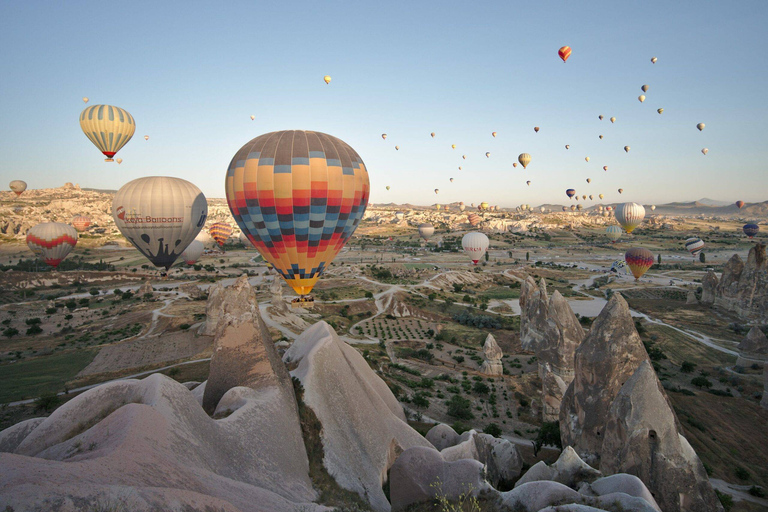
column 743, row 287
column 709, row 288
column 533, row 317
column 562, row 335
column 754, row 349
column 492, row 356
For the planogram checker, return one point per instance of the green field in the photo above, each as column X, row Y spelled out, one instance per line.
column 501, row 293
column 41, row 375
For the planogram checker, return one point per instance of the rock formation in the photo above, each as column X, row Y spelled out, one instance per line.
column 364, row 428
column 641, row 438
column 553, row 389
column 561, row 336
column 568, row 470
column 709, row 288
column 753, row 349
column 533, row 313
column 225, row 304
column 691, row 298
column 192, row 290
column 764, row 400
column 743, row 288
column 492, row 357
column 276, row 290
column 549, row 496
column 145, row 289
column 442, row 436
column 609, row 355
column 503, row 462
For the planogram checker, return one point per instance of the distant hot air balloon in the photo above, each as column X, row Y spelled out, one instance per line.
column 586, row 158
column 740, row 204
column 751, row 229
column 705, row 151
column 146, row 137
column 384, row 136
column 639, row 260
column 437, row 207
column 629, row 215
column 119, row 161
column 584, row 196
column 52, row 241
column 600, row 196
column 85, row 99
column 524, row 159
column 462, row 206
column 18, row 187
column 453, row 146
column 579, row 207
column 600, row 137
column 626, row 149
column 387, row 187
column 565, row 208
column 600, row 117
column 474, row 219
column 528, row 183
column 451, row 180
column 464, row 157
column 514, row 164
column 653, row 207
column 589, row 180
column 605, row 167
column 536, row 129
column 567, row 146
column 437, row 191
column 570, row 193
column 641, row 98
column 484, row 205
column 645, row 88
column 220, row 231
column 600, row 208
column 192, row 253
column 591, row 197
column 426, row 231
column 432, row 135
column 108, row 127
column 613, row 119
column 700, row 126
column 253, row 117
column 660, row 110
column 694, row 245
column 475, row 245
column 542, row 209
column 609, row 208
column 653, row 60
column 621, row 190
column 488, row 154
column 397, row 148
column 81, row 223
column 493, row 134
column 327, row 79
column 160, row 216
column 573, row 207
column 564, row 53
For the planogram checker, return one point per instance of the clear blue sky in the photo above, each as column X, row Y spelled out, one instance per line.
column 192, row 73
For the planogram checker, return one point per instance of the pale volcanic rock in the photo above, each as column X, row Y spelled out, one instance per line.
column 562, row 335
column 501, row 458
column 145, row 289
column 620, row 482
column 753, row 349
column 193, row 291
column 11, row 437
column 442, row 436
column 568, row 470
column 641, row 438
column 534, row 303
column 691, row 298
column 553, row 389
column 538, row 496
column 229, row 303
column 729, row 279
column 492, row 357
column 743, row 287
column 364, row 428
column 709, row 288
column 608, row 356
column 148, row 445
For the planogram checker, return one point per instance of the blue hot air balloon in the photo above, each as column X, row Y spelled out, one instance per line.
column 751, row 229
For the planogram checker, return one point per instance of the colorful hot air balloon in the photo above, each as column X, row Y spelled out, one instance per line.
column 464, row 157
column 514, row 164
column 462, row 206
column 81, row 223
column 536, row 129
column 639, row 260
column 220, row 231
column 660, row 110
column 700, row 126
column 694, row 245
column 426, row 231
column 475, row 244
column 384, row 136
column 570, row 193
column 52, row 241
column 459, row 167
column 573, row 207
column 629, row 215
column 600, row 117
column 705, row 151
column 564, row 53
column 18, row 187
column 108, row 127
column 85, row 99
column 589, row 180
column 751, row 229
column 584, row 196
column 160, row 216
column 600, row 196
column 591, row 197
column 579, row 207
column 474, row 219
column 451, row 180
column 119, row 161
column 488, row 154
column 613, row 119
column 299, row 195
column 626, row 149
column 484, row 205
column 524, row 159
column 193, row 252
column 653, row 60
column 327, row 79
column 620, row 266
column 641, row 98
column 645, row 88
column 493, row 134
column 740, row 204
column 605, row 167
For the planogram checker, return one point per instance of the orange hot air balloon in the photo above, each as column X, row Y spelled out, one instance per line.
column 220, row 232
column 536, row 129
column 639, row 260
column 740, row 204
column 81, row 223
column 564, row 53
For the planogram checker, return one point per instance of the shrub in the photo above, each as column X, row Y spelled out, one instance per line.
column 70, row 305
column 32, row 321
column 35, row 329
column 741, row 473
column 481, row 388
column 184, row 327
column 93, row 291
column 10, row 332
column 420, row 401
column 549, row 434
column 757, row 491
column 726, row 500
column 47, row 402
column 50, row 311
column 701, row 382
column 687, row 367
column 460, row 407
column 492, row 429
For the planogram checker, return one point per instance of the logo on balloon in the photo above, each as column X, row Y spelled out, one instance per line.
column 121, row 212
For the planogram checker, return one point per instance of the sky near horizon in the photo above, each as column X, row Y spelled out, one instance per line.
column 193, row 73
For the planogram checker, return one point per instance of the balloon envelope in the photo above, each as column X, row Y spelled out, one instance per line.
column 629, row 215
column 81, row 223
column 327, row 79
column 426, row 231
column 299, row 195
column 193, row 252
column 52, row 241
column 564, row 53
column 639, row 260
column 700, row 126
column 108, row 127
column 524, row 159
column 474, row 219
column 18, row 187
column 751, row 229
column 570, row 193
column 160, row 216
column 475, row 244
column 694, row 245
column 740, row 204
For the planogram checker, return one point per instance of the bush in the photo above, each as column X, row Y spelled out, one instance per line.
column 481, row 388
column 548, row 434
column 726, row 500
column 741, row 473
column 493, row 430
column 460, row 407
column 32, row 321
column 50, row 311
column 47, row 402
column 184, row 327
column 687, row 367
column 420, row 401
column 701, row 382
column 35, row 329
column 10, row 332
column 368, row 295
column 70, row 305
column 757, row 491
column 93, row 291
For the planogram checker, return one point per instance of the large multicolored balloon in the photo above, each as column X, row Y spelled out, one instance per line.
column 299, row 196
column 739, row 204
column 639, row 260
column 52, row 241
column 474, row 219
column 160, row 216
column 475, row 244
column 220, row 231
column 484, row 205
column 244, row 240
column 694, row 245
column 524, row 159
column 564, row 53
column 426, row 231
column 193, row 252
column 629, row 215
column 570, row 193
column 620, row 267
column 18, row 187
column 751, row 229
column 81, row 223
column 108, row 127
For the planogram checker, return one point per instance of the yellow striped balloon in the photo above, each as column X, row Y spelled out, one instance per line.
column 108, row 127
column 220, row 232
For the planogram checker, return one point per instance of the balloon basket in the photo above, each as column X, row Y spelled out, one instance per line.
column 303, row 302
column 109, row 159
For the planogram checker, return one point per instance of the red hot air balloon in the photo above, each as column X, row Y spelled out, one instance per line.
column 81, row 223
column 639, row 260
column 564, row 53
column 740, row 204
column 52, row 241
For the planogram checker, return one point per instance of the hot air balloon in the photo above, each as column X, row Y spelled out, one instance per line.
column 600, row 117
column 639, row 260
column 493, row 134
column 253, row 117
column 536, row 129
column 528, row 183
column 387, row 187
column 432, row 135
column 85, row 99
column 299, row 195
column 453, row 146
column 751, row 230
column 660, row 110
column 52, row 241
column 653, row 207
column 474, row 219
column 641, row 98
column 108, row 127
column 18, row 187
column 397, row 148
column 426, row 231
column 475, row 244
column 609, row 208
column 81, row 223
column 600, row 196
column 524, row 159
column 384, row 136
column 244, row 240
column 584, row 196
column 645, row 88
column 451, row 180
column 192, row 253
column 653, row 60
column 564, row 53
column 437, row 191
column 119, row 161
column 565, row 208
column 437, row 207
column 567, row 146
column 605, row 167
column 620, row 266
column 579, row 207
column 542, row 209
column 484, row 205
column 613, row 119
column 464, row 157
column 589, row 180
column 462, row 206
column 621, row 190
column 629, row 215
column 626, row 149
column 600, row 137
column 488, row 154
column 700, row 126
column 146, row 137
column 705, row 151
column 220, row 231
column 570, row 193
column 160, row 216
column 694, row 245
column 586, row 158
column 573, row 207
column 740, row 204
column 591, row 197
column 327, row 79
column 204, row 238
column 514, row 164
